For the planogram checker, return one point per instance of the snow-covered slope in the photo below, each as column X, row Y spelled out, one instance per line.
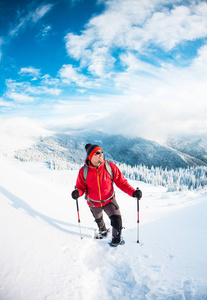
column 192, row 145
column 28, row 140
column 20, row 133
column 63, row 149
column 43, row 257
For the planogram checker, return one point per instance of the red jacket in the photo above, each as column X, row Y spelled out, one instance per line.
column 99, row 185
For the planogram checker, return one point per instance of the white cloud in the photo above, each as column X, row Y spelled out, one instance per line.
column 4, row 103
column 14, row 31
column 25, row 92
column 74, row 122
column 173, row 101
column 32, row 16
column 45, row 31
column 78, row 45
column 161, row 98
column 40, row 90
column 101, row 62
column 30, row 71
column 199, row 65
column 155, row 101
column 132, row 25
column 47, row 79
column 13, row 85
column 20, row 97
column 169, row 28
column 40, row 12
column 69, row 74
column 23, row 20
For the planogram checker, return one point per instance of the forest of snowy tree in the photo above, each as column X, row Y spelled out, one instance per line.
column 175, row 180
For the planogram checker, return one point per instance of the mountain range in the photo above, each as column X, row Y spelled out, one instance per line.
column 69, row 148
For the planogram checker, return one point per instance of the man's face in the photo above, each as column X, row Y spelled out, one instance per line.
column 97, row 158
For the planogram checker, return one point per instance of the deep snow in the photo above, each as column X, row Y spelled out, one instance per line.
column 43, row 257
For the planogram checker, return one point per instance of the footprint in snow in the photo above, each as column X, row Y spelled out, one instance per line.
column 156, row 268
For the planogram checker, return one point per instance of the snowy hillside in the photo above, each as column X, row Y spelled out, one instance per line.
column 43, row 257
column 28, row 140
column 64, row 149
column 191, row 145
column 20, row 133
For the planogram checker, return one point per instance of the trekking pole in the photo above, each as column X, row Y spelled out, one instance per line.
column 78, row 217
column 137, row 219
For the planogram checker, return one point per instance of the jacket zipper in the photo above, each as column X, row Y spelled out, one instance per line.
column 99, row 189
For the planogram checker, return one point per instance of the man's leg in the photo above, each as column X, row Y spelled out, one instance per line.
column 98, row 215
column 112, row 210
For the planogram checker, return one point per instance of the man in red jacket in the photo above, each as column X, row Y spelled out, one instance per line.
column 95, row 179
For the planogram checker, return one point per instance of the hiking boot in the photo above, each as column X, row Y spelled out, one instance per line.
column 102, row 233
column 115, row 241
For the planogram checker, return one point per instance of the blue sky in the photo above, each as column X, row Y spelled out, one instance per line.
column 124, row 66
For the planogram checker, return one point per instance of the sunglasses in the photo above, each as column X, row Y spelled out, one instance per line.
column 98, row 152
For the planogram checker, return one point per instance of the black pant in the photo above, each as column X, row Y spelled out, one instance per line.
column 113, row 212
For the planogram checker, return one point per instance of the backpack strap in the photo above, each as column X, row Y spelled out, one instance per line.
column 108, row 169
column 85, row 172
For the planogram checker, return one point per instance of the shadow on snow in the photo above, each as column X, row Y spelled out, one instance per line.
column 18, row 203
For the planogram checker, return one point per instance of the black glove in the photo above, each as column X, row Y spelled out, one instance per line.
column 137, row 194
column 75, row 194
